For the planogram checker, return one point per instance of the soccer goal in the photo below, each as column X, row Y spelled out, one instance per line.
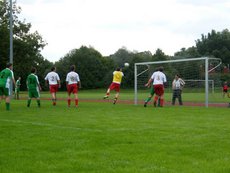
column 201, row 76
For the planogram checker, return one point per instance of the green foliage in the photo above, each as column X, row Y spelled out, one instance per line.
column 215, row 44
column 90, row 65
column 26, row 45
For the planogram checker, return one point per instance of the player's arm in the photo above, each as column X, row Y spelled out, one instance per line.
column 79, row 84
column 59, row 84
column 149, row 82
column 14, row 82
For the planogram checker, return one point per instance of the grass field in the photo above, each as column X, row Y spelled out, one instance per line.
column 100, row 137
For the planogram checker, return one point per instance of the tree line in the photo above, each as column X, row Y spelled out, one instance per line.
column 94, row 69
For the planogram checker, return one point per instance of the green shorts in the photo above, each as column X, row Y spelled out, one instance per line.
column 34, row 94
column 4, row 91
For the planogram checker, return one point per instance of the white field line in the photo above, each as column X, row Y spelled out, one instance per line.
column 50, row 125
column 75, row 128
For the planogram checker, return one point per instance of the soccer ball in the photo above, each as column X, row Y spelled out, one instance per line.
column 126, row 64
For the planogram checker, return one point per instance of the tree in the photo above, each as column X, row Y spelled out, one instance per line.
column 92, row 68
column 215, row 44
column 160, row 56
column 27, row 45
column 191, row 52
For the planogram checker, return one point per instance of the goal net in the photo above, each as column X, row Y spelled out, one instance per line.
column 201, row 76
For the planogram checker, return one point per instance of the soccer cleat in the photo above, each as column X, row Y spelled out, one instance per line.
column 114, row 101
column 105, row 97
column 145, row 105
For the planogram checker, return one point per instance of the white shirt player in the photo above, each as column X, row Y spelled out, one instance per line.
column 72, row 78
column 53, row 78
column 158, row 78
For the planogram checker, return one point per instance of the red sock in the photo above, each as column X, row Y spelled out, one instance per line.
column 155, row 98
column 76, row 102
column 161, row 102
column 69, row 101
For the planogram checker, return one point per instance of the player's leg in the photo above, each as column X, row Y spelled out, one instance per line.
column 53, row 98
column 174, row 97
column 150, row 96
column 68, row 98
column 111, row 87
column 7, row 98
column 117, row 89
column 38, row 102
column 180, row 98
column 75, row 92
column 161, row 95
column 69, row 91
column 116, row 97
column 157, row 96
column 7, row 103
column 1, row 94
column 30, row 95
column 17, row 94
column 107, row 94
column 76, row 99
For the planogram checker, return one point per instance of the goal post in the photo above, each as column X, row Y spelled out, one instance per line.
column 202, row 71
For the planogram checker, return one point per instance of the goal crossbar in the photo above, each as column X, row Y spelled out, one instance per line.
column 205, row 59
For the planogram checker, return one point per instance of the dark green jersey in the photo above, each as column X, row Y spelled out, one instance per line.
column 5, row 76
column 32, row 82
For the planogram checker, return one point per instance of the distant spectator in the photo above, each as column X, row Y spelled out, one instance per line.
column 225, row 89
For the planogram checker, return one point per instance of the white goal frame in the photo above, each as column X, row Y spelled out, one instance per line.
column 206, row 59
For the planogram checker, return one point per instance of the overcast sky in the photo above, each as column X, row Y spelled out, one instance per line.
column 138, row 25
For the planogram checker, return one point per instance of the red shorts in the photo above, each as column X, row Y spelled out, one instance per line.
column 72, row 88
column 115, row 86
column 225, row 90
column 159, row 89
column 54, row 88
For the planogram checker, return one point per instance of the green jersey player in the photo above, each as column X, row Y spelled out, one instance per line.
column 6, row 76
column 33, row 87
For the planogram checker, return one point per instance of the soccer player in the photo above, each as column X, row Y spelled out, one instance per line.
column 73, row 84
column 33, row 87
column 115, row 85
column 6, row 76
column 17, row 88
column 53, row 80
column 159, row 79
column 177, row 86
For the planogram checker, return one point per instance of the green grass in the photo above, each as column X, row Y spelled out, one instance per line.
column 107, row 138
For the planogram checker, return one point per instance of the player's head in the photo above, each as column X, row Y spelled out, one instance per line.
column 53, row 68
column 118, row 69
column 72, row 68
column 9, row 65
column 177, row 76
column 161, row 69
column 33, row 70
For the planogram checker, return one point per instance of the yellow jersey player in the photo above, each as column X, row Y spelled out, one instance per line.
column 115, row 85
